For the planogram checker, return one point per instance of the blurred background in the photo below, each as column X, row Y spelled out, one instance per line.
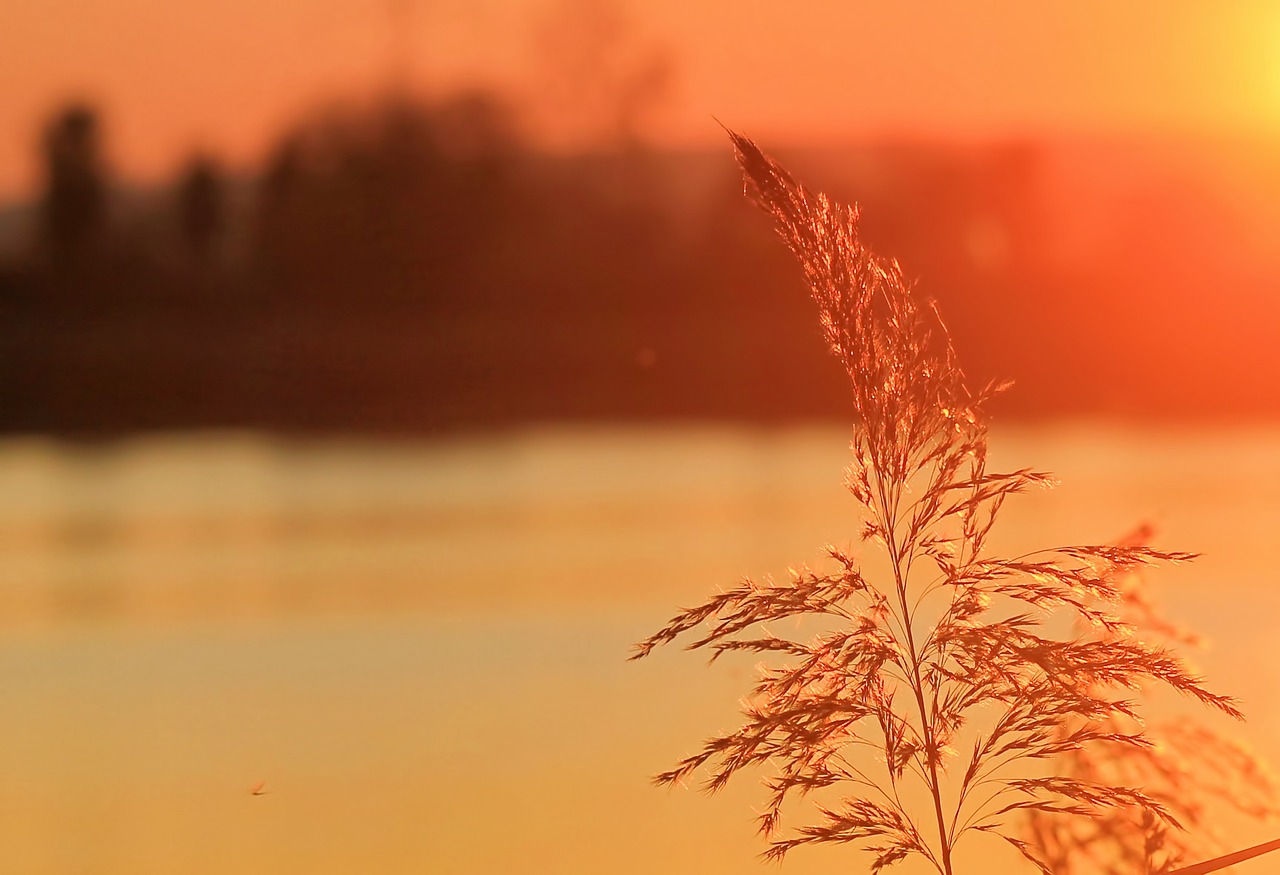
column 374, row 372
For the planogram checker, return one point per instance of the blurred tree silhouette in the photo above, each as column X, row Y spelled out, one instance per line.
column 394, row 203
column 404, row 262
column 73, row 209
column 201, row 202
column 409, row 263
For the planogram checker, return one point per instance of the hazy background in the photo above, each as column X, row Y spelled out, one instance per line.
column 372, row 374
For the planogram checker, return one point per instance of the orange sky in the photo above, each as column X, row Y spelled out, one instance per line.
column 171, row 76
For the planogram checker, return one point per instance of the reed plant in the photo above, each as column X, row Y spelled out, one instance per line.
column 1198, row 771
column 924, row 690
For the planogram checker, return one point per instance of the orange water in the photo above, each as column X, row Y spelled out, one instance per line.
column 419, row 647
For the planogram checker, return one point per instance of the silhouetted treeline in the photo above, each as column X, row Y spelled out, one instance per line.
column 419, row 266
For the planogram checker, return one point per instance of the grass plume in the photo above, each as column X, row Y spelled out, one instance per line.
column 943, row 673
column 1192, row 768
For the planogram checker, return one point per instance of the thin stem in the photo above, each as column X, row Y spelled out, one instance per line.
column 889, row 524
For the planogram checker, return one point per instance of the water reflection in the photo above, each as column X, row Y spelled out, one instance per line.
column 420, row 646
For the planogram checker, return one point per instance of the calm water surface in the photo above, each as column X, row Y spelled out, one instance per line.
column 420, row 647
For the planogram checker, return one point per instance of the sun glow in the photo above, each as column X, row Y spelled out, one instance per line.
column 228, row 76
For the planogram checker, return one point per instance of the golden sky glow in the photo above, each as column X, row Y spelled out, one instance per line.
column 175, row 76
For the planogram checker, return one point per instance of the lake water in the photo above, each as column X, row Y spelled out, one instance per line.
column 419, row 647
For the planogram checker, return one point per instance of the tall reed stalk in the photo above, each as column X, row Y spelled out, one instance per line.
column 927, row 663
